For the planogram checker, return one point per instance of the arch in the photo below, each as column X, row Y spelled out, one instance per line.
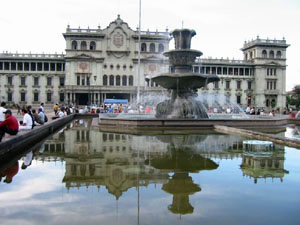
column 152, row 47
column 74, row 45
column 271, row 54
column 264, row 54
column 267, row 103
column 111, row 80
column 143, row 47
column 105, row 80
column 118, row 80
column 124, row 80
column 130, row 80
column 278, row 54
column 83, row 45
column 161, row 48
column 93, row 45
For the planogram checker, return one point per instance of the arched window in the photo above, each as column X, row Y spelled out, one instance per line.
column 130, row 80
column 74, row 45
column 271, row 54
column 111, row 80
column 264, row 54
column 161, row 48
column 105, row 80
column 118, row 80
column 124, row 80
column 83, row 45
column 143, row 47
column 93, row 45
column 278, row 54
column 152, row 47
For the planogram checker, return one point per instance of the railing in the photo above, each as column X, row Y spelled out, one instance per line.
column 267, row 41
column 80, row 30
column 211, row 60
column 30, row 55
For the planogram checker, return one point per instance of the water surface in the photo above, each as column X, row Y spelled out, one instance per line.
column 82, row 175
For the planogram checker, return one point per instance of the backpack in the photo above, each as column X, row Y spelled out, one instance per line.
column 46, row 118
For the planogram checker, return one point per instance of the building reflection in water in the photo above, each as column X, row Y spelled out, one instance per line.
column 119, row 162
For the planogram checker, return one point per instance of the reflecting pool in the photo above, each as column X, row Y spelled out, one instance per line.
column 82, row 175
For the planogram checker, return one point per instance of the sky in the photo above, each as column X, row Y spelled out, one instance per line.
column 222, row 26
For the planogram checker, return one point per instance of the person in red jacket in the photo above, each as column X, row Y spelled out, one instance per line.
column 10, row 125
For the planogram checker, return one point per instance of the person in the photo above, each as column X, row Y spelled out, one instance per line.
column 55, row 108
column 19, row 109
column 42, row 107
column 93, row 111
column 61, row 113
column 27, row 160
column 10, row 125
column 29, row 111
column 298, row 114
column 36, row 117
column 27, row 122
column 248, row 110
column 10, row 172
column 2, row 110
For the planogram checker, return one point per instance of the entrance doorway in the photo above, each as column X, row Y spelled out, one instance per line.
column 82, row 98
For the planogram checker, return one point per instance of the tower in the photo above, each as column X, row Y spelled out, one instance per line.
column 269, row 60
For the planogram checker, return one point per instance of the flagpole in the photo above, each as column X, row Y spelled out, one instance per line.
column 139, row 56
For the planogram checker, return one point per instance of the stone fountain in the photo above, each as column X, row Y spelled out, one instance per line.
column 182, row 82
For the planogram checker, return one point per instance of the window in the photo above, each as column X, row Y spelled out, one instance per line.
column 74, row 45
column 40, row 66
column 33, row 66
column 36, row 81
column 92, row 46
column 124, row 80
column 264, row 54
column 46, row 66
column 26, row 66
column 13, row 66
column 88, row 81
column 6, row 66
column 23, row 95
column 152, row 47
column 78, row 80
column 227, row 84
column 271, row 54
column 105, row 80
column 35, row 96
column 219, row 70
column 143, row 47
column 83, row 45
column 274, row 85
column 118, row 80
column 61, row 97
column 49, row 81
column 111, row 80
column 278, row 54
column 49, row 96
column 216, row 84
column 82, row 81
column 62, row 81
column 238, row 99
column 59, row 66
column 224, row 70
column 241, row 71
column 238, row 84
column 52, row 66
column 161, row 48
column 20, row 66
column 9, row 96
column 23, row 81
column 9, row 80
column 249, row 85
column 130, row 80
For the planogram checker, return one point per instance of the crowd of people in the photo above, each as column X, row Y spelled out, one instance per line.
column 31, row 118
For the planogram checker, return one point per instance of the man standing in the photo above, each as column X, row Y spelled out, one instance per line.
column 10, row 125
column 2, row 110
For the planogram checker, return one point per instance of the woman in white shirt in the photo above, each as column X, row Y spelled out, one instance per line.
column 27, row 121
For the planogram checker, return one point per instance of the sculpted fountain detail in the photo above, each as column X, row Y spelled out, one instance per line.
column 182, row 82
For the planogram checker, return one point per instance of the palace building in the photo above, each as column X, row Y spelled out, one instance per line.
column 103, row 63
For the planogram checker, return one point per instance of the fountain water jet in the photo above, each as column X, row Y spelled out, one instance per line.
column 183, row 82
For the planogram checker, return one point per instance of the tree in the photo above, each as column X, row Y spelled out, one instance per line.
column 294, row 99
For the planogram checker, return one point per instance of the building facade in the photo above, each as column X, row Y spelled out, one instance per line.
column 103, row 63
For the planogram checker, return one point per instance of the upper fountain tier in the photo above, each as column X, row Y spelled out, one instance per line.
column 182, row 59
